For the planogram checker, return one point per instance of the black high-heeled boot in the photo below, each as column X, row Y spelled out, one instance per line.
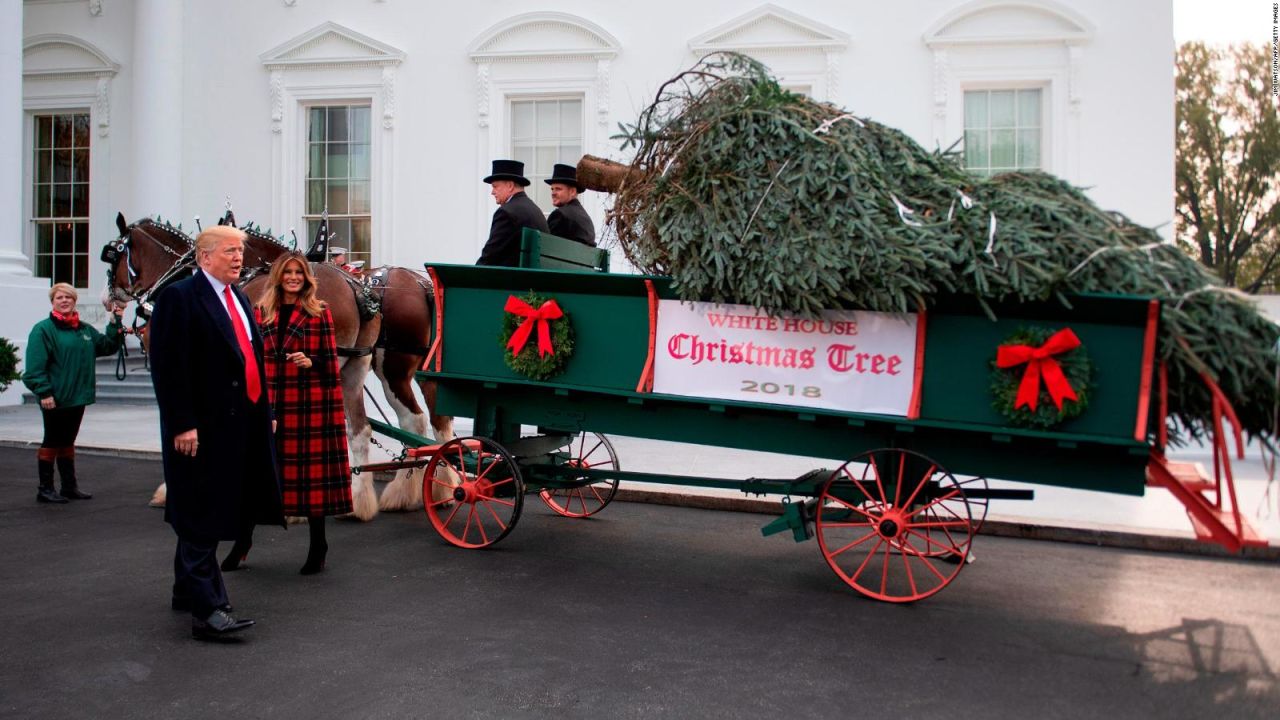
column 239, row 552
column 318, row 549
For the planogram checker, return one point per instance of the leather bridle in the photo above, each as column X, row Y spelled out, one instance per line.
column 121, row 249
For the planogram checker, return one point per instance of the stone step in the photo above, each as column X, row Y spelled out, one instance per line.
column 133, row 358
column 130, row 395
column 131, row 375
column 115, row 387
column 109, row 398
column 135, row 389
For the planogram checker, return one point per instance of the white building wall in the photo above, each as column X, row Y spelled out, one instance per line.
column 1122, row 146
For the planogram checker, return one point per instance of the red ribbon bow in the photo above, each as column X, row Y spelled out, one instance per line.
column 1040, row 363
column 541, row 317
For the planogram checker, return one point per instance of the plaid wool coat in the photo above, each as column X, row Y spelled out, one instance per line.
column 311, row 436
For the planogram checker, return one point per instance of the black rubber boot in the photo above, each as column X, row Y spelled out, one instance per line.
column 47, row 494
column 67, row 469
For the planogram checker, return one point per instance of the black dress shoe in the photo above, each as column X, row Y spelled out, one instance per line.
column 184, row 605
column 218, row 626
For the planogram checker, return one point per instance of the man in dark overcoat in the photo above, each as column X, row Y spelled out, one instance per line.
column 516, row 212
column 569, row 219
column 215, row 425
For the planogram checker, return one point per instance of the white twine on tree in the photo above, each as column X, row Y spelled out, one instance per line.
column 1209, row 289
column 991, row 241
column 1114, row 248
column 825, row 127
column 1147, row 249
column 904, row 212
column 752, row 219
column 966, row 202
column 1163, row 280
column 672, row 160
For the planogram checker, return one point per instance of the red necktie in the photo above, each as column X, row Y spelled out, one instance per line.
column 252, row 385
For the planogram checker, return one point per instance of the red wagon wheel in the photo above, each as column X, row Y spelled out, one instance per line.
column 587, row 450
column 472, row 492
column 975, row 490
column 888, row 518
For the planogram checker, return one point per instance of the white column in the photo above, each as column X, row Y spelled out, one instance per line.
column 157, row 110
column 22, row 296
column 12, row 259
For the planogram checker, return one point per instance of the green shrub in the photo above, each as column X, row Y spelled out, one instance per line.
column 8, row 364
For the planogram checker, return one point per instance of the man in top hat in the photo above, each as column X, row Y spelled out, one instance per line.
column 569, row 219
column 338, row 256
column 516, row 211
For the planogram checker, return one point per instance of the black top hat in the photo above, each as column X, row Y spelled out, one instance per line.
column 564, row 175
column 512, row 170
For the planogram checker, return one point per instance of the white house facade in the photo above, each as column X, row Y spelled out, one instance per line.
column 387, row 113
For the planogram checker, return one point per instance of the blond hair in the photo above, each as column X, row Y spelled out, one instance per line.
column 63, row 287
column 210, row 239
column 272, row 296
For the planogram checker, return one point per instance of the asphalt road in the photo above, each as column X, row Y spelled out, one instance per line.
column 644, row 611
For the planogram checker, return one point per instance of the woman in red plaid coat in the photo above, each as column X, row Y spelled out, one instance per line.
column 306, row 395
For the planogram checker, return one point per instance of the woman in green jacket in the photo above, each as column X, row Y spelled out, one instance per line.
column 60, row 371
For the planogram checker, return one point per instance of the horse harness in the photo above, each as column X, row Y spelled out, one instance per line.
column 367, row 304
column 378, row 284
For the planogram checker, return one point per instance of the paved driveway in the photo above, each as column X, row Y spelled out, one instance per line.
column 644, row 611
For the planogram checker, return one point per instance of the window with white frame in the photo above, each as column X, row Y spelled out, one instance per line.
column 338, row 178
column 60, row 197
column 1003, row 130
column 545, row 131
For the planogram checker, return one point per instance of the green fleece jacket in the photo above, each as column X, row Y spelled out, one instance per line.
column 60, row 360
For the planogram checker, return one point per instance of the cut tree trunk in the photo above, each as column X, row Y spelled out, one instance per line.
column 601, row 175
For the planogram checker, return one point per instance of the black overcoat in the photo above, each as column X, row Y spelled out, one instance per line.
column 572, row 221
column 509, row 221
column 198, row 373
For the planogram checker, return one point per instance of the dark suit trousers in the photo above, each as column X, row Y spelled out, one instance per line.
column 197, row 577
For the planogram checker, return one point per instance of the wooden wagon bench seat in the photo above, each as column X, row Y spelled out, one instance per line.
column 545, row 251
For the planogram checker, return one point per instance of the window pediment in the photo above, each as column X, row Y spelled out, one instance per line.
column 769, row 27
column 543, row 35
column 64, row 55
column 999, row 22
column 331, row 44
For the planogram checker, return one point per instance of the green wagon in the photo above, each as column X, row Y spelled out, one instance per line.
column 897, row 510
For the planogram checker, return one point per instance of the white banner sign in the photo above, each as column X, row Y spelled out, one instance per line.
column 847, row 360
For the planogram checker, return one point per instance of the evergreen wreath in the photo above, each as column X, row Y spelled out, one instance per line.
column 528, row 362
column 1076, row 367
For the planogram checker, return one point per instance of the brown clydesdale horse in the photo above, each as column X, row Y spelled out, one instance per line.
column 149, row 255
